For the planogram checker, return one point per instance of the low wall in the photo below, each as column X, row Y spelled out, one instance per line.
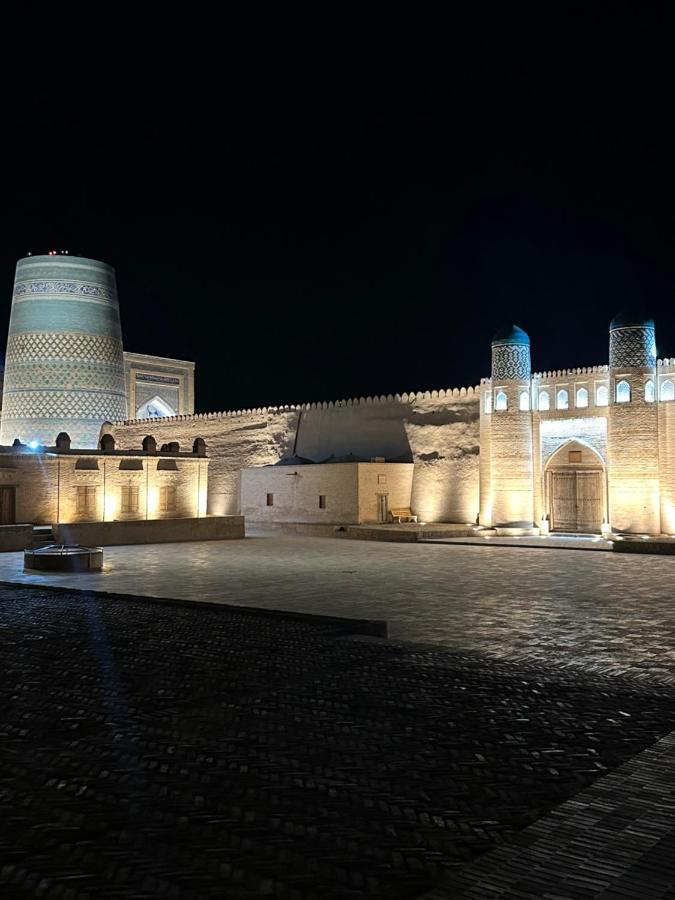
column 15, row 537
column 651, row 545
column 153, row 531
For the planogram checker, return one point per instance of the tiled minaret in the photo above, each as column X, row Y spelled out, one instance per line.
column 64, row 367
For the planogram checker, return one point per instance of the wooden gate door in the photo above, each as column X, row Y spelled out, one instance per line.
column 7, row 505
column 589, row 501
column 564, row 501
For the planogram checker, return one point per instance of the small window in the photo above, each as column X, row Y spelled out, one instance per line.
column 574, row 456
column 649, row 391
column 487, row 407
column 601, row 395
column 667, row 390
column 381, row 479
column 501, row 403
column 86, row 499
column 544, row 400
column 129, row 498
column 322, row 501
column 167, row 498
column 524, row 401
column 562, row 399
column 623, row 392
column 270, row 499
column 582, row 398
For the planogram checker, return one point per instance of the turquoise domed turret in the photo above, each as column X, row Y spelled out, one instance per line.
column 511, row 354
column 632, row 340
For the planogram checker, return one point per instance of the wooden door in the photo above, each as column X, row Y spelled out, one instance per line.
column 564, row 500
column 589, row 501
column 382, row 508
column 7, row 505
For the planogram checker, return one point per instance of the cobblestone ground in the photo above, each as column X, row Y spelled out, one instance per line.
column 155, row 750
column 604, row 611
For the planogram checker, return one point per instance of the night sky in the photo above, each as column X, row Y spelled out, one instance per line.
column 359, row 218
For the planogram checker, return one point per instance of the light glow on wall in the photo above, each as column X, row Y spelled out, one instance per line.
column 110, row 507
column 201, row 502
column 153, row 502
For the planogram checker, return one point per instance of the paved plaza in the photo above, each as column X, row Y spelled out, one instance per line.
column 602, row 611
column 515, row 736
column 185, row 751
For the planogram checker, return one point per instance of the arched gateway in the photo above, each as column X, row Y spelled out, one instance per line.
column 575, row 489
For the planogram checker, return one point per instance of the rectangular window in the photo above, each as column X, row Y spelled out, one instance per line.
column 86, row 500
column 129, row 498
column 574, row 455
column 270, row 499
column 381, row 479
column 167, row 498
column 322, row 501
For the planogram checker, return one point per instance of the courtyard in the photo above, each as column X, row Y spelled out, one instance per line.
column 514, row 736
column 600, row 611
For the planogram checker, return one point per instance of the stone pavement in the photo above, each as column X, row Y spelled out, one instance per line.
column 602, row 611
column 186, row 751
column 615, row 839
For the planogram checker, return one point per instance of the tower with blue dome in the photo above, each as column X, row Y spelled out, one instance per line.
column 632, row 424
column 506, row 403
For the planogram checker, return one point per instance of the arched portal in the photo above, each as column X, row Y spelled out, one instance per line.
column 575, row 486
column 155, row 409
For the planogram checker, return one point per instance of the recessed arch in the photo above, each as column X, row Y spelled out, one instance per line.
column 555, row 458
column 155, row 409
column 575, row 488
column 667, row 390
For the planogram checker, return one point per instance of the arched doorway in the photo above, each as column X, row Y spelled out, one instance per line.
column 576, row 489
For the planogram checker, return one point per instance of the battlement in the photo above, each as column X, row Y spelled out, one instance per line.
column 583, row 370
column 449, row 393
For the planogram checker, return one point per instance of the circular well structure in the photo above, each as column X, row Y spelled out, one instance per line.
column 63, row 558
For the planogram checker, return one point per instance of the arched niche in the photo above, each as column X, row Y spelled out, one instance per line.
column 155, row 409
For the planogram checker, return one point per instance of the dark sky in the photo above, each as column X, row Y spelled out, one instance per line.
column 360, row 217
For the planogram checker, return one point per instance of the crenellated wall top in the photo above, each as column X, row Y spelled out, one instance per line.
column 665, row 363
column 413, row 396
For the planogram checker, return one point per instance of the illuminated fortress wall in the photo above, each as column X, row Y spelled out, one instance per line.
column 64, row 367
column 438, row 431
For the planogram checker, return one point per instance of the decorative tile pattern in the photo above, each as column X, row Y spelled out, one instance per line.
column 64, row 363
column 510, row 361
column 632, row 346
column 64, row 288
column 64, row 405
column 63, row 346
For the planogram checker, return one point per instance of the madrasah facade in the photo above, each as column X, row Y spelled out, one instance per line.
column 579, row 450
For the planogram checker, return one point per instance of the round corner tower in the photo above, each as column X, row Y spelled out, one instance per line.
column 511, row 465
column 64, row 367
column 632, row 428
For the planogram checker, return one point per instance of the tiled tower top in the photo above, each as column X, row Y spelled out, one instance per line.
column 632, row 341
column 64, row 366
column 511, row 355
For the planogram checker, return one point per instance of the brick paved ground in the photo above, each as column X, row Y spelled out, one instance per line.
column 153, row 750
column 604, row 611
